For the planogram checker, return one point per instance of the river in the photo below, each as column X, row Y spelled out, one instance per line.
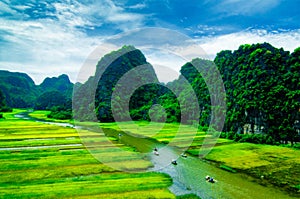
column 189, row 173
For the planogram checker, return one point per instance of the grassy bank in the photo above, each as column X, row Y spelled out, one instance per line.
column 277, row 165
column 67, row 169
column 43, row 115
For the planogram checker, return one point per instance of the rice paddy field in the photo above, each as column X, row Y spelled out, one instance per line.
column 72, row 165
column 46, row 161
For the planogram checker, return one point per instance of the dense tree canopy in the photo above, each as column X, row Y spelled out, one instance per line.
column 50, row 99
column 61, row 84
column 262, row 87
column 3, row 105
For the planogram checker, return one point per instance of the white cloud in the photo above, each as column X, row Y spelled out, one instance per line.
column 43, row 48
column 245, row 7
column 138, row 6
column 289, row 40
column 97, row 13
column 50, row 46
column 123, row 17
column 165, row 63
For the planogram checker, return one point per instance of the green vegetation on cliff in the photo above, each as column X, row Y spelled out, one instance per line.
column 263, row 93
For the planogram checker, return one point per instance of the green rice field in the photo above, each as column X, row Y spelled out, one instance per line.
column 46, row 161
column 268, row 165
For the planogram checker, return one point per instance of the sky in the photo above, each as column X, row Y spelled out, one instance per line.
column 47, row 38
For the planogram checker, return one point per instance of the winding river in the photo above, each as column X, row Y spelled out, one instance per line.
column 189, row 173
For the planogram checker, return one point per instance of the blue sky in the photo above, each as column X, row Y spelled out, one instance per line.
column 48, row 38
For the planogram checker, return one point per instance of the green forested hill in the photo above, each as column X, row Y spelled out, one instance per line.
column 20, row 91
column 109, row 70
column 55, row 91
column 262, row 85
column 263, row 89
column 61, row 84
column 18, row 88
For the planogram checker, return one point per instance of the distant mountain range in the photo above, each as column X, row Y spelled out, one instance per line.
column 21, row 92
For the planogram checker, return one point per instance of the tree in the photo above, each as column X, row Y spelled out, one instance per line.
column 50, row 99
column 3, row 106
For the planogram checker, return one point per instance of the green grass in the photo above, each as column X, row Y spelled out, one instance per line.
column 182, row 136
column 272, row 164
column 42, row 114
column 69, row 171
column 10, row 115
column 87, row 185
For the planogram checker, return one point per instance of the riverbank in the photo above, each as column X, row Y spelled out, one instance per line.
column 267, row 165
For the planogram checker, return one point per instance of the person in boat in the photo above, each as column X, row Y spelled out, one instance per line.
column 210, row 179
column 183, row 155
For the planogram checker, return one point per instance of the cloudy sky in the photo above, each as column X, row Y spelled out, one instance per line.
column 48, row 38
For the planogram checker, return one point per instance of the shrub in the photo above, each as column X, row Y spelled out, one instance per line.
column 230, row 135
column 251, row 138
column 223, row 135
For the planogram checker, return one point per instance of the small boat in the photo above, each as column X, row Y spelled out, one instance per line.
column 210, row 179
column 183, row 155
column 155, row 152
column 174, row 162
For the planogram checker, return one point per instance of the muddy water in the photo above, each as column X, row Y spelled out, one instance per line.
column 189, row 173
